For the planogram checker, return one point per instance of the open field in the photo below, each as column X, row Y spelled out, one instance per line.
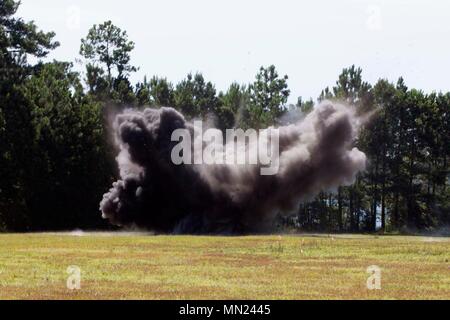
column 139, row 266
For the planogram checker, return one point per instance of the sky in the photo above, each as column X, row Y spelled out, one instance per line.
column 228, row 40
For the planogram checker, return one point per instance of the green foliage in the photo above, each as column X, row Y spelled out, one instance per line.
column 162, row 92
column 97, row 83
column 107, row 51
column 18, row 40
column 196, row 97
column 68, row 147
column 123, row 93
column 232, row 105
column 18, row 37
column 305, row 106
column 406, row 183
column 108, row 45
column 158, row 92
column 56, row 161
column 268, row 96
column 352, row 89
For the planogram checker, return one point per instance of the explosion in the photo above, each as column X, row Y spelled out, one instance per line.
column 154, row 193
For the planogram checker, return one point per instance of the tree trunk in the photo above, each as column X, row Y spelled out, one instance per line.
column 351, row 209
column 340, row 224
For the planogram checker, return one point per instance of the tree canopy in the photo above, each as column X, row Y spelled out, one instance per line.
column 57, row 159
column 107, row 45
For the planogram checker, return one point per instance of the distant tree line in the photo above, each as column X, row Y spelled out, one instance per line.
column 57, row 159
column 407, row 142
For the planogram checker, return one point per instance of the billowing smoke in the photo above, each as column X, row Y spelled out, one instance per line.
column 315, row 154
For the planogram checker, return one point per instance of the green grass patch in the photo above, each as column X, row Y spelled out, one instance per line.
column 139, row 266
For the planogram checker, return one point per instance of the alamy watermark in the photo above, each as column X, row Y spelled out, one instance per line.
column 73, row 18
column 241, row 148
column 374, row 20
column 74, row 279
column 374, row 280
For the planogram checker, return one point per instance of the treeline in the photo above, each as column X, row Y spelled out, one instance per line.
column 407, row 142
column 57, row 159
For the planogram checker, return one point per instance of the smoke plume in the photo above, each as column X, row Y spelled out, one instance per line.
column 315, row 154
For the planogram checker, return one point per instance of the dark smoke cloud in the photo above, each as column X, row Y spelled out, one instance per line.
column 315, row 154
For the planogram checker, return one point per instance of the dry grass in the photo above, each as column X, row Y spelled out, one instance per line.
column 137, row 266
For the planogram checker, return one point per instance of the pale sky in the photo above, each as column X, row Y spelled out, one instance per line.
column 228, row 40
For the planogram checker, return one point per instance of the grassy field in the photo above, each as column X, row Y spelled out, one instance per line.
column 139, row 266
